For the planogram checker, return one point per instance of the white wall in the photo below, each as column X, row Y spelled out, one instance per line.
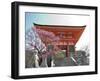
column 5, row 41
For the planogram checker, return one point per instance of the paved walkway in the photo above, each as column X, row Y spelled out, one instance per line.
column 61, row 62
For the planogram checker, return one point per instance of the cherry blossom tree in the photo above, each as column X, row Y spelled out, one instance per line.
column 34, row 44
column 41, row 43
column 48, row 38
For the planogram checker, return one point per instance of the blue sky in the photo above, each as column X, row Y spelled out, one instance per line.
column 31, row 18
column 53, row 19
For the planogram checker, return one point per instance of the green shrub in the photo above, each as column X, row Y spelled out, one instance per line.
column 60, row 55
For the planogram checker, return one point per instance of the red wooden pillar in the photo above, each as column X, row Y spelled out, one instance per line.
column 67, row 53
column 67, row 49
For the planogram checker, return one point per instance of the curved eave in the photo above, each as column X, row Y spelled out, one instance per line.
column 41, row 25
